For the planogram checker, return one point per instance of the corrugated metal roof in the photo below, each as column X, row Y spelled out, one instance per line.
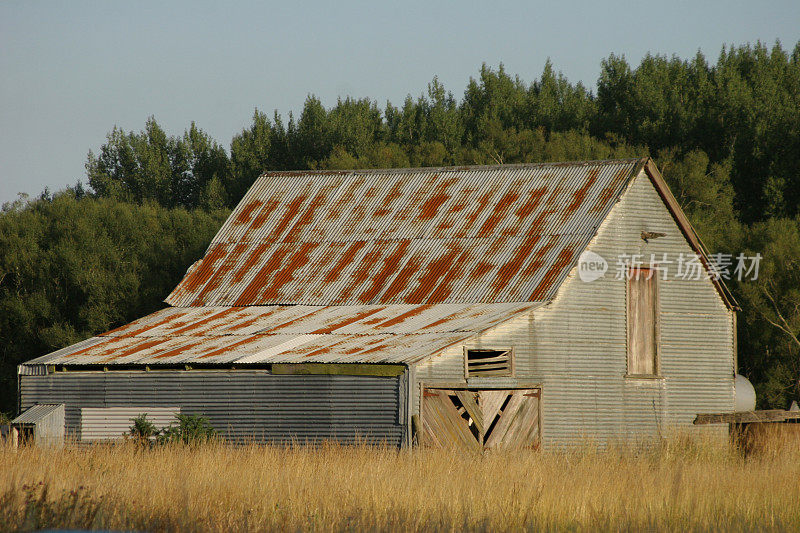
column 36, row 413
column 398, row 333
column 498, row 234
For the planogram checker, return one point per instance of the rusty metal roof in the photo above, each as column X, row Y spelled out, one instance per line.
column 398, row 333
column 497, row 234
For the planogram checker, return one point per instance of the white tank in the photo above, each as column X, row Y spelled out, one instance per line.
column 744, row 396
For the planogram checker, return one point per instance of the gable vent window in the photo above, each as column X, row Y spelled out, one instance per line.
column 489, row 363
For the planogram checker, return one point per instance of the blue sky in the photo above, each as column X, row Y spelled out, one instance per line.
column 70, row 71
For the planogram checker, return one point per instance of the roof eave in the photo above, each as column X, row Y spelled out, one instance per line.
column 687, row 229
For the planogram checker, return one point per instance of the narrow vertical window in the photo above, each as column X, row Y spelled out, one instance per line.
column 642, row 322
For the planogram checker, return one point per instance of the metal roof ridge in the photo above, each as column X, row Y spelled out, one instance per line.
column 295, row 304
column 425, row 239
column 269, row 334
column 454, row 168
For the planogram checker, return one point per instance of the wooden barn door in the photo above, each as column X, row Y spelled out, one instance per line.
column 480, row 419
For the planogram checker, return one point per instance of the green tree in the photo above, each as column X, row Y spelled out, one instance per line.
column 251, row 154
column 769, row 332
column 73, row 267
column 204, row 171
column 743, row 109
column 149, row 165
column 705, row 193
column 554, row 104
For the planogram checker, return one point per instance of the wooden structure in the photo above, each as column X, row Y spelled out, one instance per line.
column 748, row 417
column 480, row 419
column 503, row 306
column 759, row 431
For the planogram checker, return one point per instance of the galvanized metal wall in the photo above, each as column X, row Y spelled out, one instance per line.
column 576, row 347
column 448, row 366
column 111, row 423
column 243, row 405
column 50, row 429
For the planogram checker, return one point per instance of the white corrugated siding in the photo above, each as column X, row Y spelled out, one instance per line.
column 576, row 346
column 107, row 423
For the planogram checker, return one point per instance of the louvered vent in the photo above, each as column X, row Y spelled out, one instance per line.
column 486, row 363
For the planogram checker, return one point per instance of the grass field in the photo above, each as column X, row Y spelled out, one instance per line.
column 679, row 485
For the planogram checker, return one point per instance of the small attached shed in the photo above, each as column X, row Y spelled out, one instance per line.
column 448, row 307
column 41, row 424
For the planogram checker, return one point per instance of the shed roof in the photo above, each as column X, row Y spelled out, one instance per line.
column 398, row 333
column 498, row 234
column 36, row 413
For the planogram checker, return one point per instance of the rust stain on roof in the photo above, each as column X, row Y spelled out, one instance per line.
column 345, row 259
column 238, row 344
column 124, row 331
column 247, row 212
column 404, row 316
column 450, row 278
column 480, row 270
column 137, row 347
column 391, row 263
column 256, row 253
column 200, row 275
column 481, row 202
column 410, row 236
column 366, row 267
column 430, row 207
column 345, row 199
column 292, row 209
column 393, row 194
column 611, row 190
column 238, row 251
column 399, row 333
column 532, row 202
column 513, row 265
column 347, row 321
column 263, row 215
column 435, row 271
column 177, row 351
column 602, row 199
column 276, row 327
column 262, row 277
column 499, row 213
column 307, row 217
column 283, row 276
column 579, row 195
column 437, row 323
column 242, row 325
column 411, row 267
column 199, row 323
column 564, row 259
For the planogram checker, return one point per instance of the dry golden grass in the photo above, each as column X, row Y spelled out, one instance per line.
column 680, row 485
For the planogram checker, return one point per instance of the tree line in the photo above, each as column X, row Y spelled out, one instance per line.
column 725, row 134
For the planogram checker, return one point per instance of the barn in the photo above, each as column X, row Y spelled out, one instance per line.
column 498, row 306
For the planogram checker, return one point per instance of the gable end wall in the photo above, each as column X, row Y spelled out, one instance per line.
column 576, row 346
